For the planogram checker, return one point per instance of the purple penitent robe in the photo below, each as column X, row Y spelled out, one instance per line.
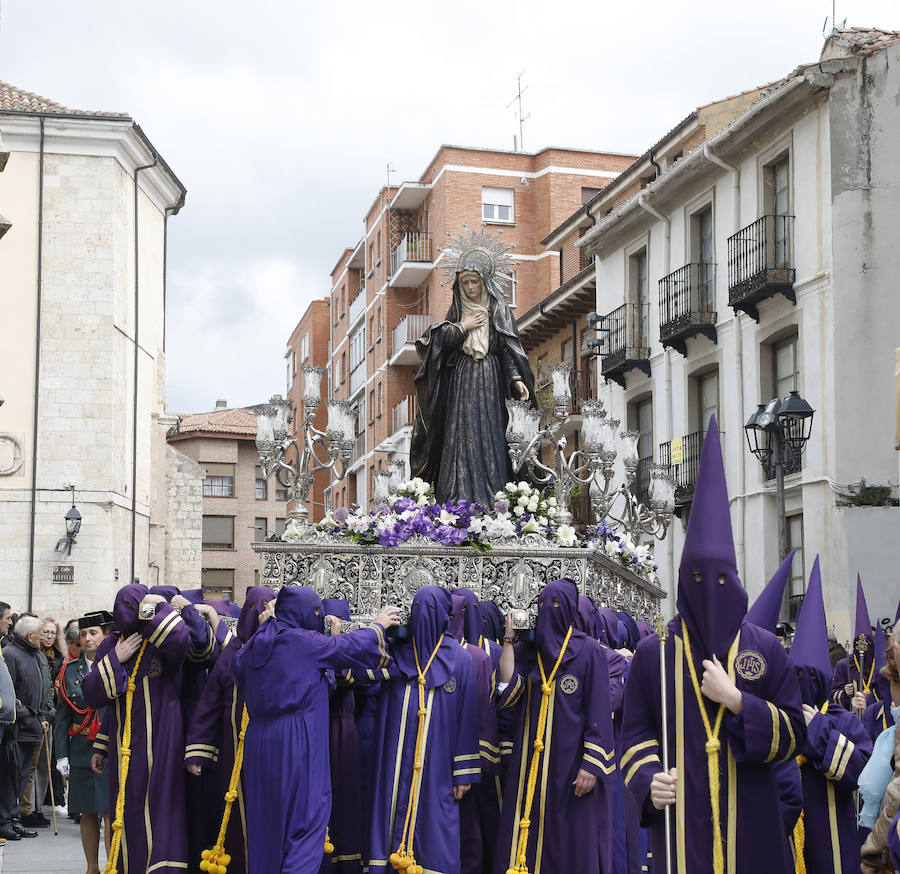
column 212, row 735
column 836, row 750
column 287, row 780
column 769, row 729
column 154, row 834
column 567, row 832
column 450, row 743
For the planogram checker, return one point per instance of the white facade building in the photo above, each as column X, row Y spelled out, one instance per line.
column 735, row 266
column 82, row 339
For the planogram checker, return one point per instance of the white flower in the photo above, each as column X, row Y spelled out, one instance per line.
column 551, row 511
column 477, row 524
column 523, row 486
column 551, row 501
column 501, row 495
column 523, row 501
column 510, row 487
column 498, row 528
column 542, row 521
column 357, row 523
column 531, row 526
column 612, row 548
column 519, row 511
column 565, row 534
column 448, row 518
column 532, row 505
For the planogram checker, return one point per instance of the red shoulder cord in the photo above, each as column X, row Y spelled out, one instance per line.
column 91, row 721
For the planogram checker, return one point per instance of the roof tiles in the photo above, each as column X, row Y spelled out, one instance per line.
column 14, row 99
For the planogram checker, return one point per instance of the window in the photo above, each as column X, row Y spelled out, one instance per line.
column 261, row 487
column 378, row 248
column 371, row 329
column 785, row 367
column 707, row 388
column 337, row 371
column 588, row 194
column 282, row 493
column 304, row 350
column 637, row 285
column 217, row 583
column 372, row 480
column 219, row 480
column 702, row 253
column 642, row 422
column 378, row 320
column 372, row 405
column 777, row 202
column 280, row 525
column 357, row 347
column 797, row 583
column 508, row 287
column 565, row 350
column 261, row 528
column 218, row 532
column 343, row 366
column 497, row 205
column 380, row 398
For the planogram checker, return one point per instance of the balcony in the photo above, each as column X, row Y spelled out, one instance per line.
column 641, row 487
column 682, row 456
column 625, row 335
column 687, row 300
column 403, row 414
column 357, row 379
column 359, row 448
column 411, row 261
column 357, row 308
column 403, row 340
column 761, row 263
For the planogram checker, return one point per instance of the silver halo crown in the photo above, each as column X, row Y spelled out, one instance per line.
column 477, row 250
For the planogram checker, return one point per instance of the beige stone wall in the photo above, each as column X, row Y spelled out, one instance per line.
column 86, row 396
column 184, row 491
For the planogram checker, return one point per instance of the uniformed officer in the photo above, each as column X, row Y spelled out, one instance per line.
column 77, row 727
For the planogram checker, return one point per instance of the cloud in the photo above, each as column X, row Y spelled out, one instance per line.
column 280, row 119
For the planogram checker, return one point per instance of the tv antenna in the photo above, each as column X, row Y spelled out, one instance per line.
column 523, row 117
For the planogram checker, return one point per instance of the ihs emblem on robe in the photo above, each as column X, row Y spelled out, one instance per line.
column 750, row 665
column 450, row 685
column 156, row 668
column 568, row 684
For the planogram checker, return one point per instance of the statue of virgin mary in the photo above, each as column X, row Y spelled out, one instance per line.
column 471, row 363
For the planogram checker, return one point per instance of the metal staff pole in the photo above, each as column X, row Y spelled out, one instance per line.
column 662, row 632
column 861, row 646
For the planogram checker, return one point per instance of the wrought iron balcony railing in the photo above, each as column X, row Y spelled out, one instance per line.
column 625, row 335
column 687, row 305
column 683, row 464
column 761, row 263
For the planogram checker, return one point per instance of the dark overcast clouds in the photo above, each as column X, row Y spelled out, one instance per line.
column 280, row 118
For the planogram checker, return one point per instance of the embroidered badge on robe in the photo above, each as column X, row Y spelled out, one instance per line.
column 568, row 684
column 450, row 685
column 750, row 665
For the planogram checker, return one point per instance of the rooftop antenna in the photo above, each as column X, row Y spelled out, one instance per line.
column 520, row 145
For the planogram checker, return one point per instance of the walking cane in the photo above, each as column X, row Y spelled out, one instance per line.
column 662, row 632
column 50, row 781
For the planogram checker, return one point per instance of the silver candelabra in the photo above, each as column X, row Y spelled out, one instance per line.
column 294, row 460
column 593, row 466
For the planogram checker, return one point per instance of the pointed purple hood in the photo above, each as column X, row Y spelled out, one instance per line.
column 429, row 618
column 711, row 600
column 585, row 618
column 606, row 627
column 296, row 607
column 125, row 610
column 254, row 604
column 809, row 652
column 455, row 626
column 338, row 607
column 472, row 623
column 864, row 627
column 553, row 621
column 493, row 619
column 767, row 606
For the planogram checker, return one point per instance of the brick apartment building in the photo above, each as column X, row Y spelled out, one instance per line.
column 387, row 288
column 308, row 346
column 239, row 505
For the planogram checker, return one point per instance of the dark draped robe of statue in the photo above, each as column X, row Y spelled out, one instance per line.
column 459, row 436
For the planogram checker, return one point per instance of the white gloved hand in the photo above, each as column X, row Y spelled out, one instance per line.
column 62, row 765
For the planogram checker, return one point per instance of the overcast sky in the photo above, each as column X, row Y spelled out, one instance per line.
column 280, row 118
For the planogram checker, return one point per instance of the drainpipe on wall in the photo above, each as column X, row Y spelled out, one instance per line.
column 738, row 361
column 134, row 415
column 667, row 359
column 37, row 367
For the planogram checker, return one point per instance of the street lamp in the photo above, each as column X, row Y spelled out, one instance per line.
column 73, row 526
column 777, row 434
